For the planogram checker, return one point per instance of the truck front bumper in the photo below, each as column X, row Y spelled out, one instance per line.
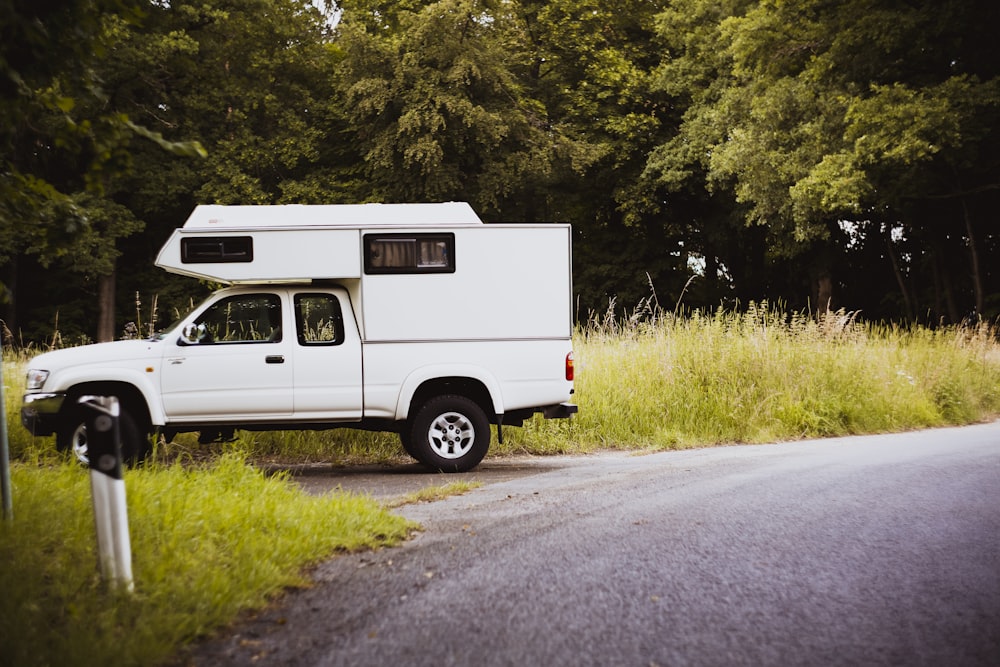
column 39, row 412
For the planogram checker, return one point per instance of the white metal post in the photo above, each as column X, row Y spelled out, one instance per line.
column 107, row 487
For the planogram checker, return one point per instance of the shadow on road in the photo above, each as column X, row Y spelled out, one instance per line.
column 392, row 481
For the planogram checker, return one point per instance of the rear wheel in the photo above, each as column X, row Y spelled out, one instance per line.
column 73, row 437
column 449, row 433
column 404, row 438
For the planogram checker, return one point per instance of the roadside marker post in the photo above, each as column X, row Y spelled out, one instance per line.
column 107, row 486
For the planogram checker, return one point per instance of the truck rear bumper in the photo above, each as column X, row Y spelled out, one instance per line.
column 561, row 411
column 558, row 411
column 40, row 411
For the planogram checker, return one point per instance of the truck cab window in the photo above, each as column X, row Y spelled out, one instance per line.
column 318, row 319
column 247, row 318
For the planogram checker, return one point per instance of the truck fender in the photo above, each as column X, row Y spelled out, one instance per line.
column 142, row 381
column 420, row 376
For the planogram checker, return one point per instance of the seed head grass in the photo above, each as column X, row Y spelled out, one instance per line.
column 763, row 376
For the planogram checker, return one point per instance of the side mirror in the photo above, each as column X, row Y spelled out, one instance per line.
column 193, row 334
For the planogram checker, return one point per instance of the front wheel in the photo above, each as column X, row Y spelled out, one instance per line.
column 73, row 436
column 449, row 434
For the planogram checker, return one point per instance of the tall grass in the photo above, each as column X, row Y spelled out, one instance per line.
column 661, row 382
column 22, row 445
column 206, row 542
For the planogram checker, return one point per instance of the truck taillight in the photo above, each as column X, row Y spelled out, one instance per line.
column 569, row 366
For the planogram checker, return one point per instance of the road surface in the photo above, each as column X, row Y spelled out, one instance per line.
column 879, row 550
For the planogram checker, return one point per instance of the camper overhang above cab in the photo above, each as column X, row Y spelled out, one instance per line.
column 293, row 243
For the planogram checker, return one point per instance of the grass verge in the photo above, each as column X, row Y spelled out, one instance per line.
column 207, row 542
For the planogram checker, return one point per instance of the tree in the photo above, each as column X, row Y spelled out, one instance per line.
column 46, row 50
column 437, row 105
column 251, row 81
column 818, row 112
column 592, row 66
column 63, row 144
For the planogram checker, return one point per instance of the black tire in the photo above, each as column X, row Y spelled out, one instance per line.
column 449, row 434
column 404, row 438
column 72, row 436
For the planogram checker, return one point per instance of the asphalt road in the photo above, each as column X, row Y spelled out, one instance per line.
column 879, row 550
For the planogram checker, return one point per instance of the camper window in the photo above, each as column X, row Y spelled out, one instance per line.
column 409, row 253
column 224, row 249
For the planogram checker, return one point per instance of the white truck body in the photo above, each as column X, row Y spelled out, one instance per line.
column 357, row 315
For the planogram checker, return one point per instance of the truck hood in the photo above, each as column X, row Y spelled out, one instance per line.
column 117, row 351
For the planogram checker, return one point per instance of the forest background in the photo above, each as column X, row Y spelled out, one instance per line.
column 711, row 153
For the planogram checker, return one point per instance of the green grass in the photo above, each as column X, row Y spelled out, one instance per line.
column 207, row 542
column 212, row 535
column 764, row 376
column 432, row 493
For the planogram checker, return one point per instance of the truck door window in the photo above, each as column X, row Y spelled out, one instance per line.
column 246, row 318
column 318, row 319
column 409, row 253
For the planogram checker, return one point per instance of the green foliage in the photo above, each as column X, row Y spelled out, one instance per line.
column 335, row 446
column 732, row 142
column 810, row 113
column 21, row 445
column 439, row 105
column 61, row 139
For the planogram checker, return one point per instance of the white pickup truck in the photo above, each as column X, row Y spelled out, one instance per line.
column 412, row 318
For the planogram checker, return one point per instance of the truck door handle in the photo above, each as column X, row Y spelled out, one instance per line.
column 176, row 360
column 274, row 359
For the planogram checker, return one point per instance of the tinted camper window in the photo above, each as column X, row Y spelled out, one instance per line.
column 410, row 253
column 203, row 250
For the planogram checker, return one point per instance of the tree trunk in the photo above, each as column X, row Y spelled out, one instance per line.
column 824, row 294
column 106, row 308
column 711, row 278
column 10, row 323
column 977, row 277
column 907, row 301
column 949, row 298
column 944, row 299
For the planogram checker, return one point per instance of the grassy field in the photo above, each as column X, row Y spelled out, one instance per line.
column 764, row 376
column 212, row 535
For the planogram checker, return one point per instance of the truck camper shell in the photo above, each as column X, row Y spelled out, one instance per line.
column 414, row 271
column 291, row 243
